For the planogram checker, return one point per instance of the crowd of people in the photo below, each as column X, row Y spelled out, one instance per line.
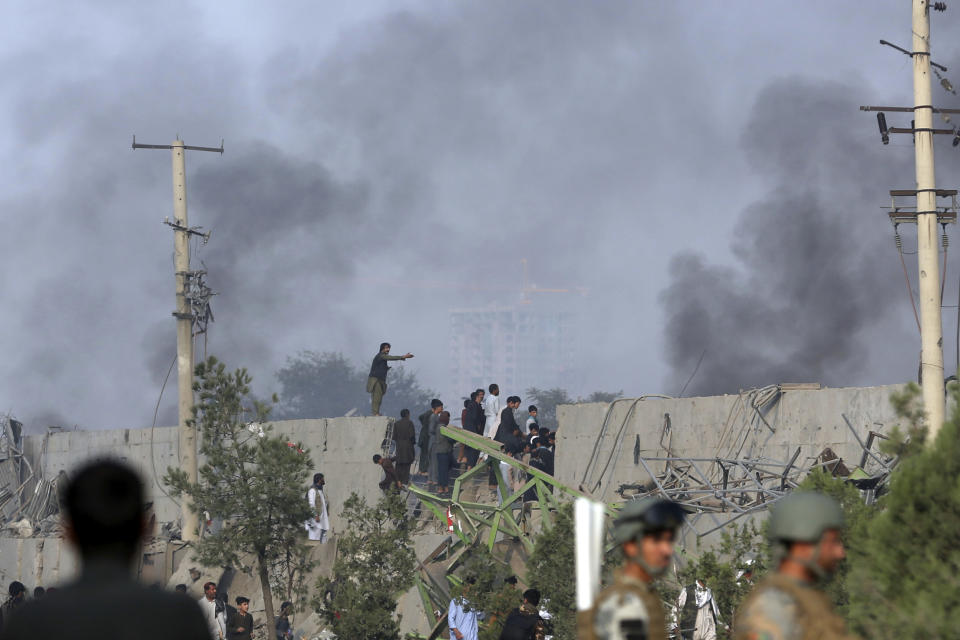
column 424, row 454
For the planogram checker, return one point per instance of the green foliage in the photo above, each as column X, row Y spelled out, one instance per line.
column 252, row 480
column 375, row 564
column 857, row 515
column 489, row 591
column 909, row 407
column 905, row 586
column 604, row 396
column 551, row 570
column 318, row 385
column 718, row 567
column 547, row 401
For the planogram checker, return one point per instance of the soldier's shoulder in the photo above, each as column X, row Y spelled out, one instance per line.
column 622, row 594
column 770, row 614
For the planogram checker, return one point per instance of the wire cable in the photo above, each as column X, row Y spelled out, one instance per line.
column 913, row 304
column 697, row 368
column 156, row 411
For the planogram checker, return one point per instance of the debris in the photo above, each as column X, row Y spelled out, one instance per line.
column 21, row 528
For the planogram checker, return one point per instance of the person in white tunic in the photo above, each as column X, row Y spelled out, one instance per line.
column 213, row 611
column 319, row 524
column 491, row 411
column 697, row 612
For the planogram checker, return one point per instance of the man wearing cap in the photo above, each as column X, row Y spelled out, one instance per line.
column 788, row 604
column 631, row 609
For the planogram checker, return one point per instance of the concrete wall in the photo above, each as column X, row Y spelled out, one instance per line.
column 35, row 561
column 341, row 449
column 810, row 419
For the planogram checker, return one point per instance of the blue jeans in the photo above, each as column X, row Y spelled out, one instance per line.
column 443, row 469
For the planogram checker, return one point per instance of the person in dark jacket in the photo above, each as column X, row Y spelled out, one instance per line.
column 530, row 495
column 18, row 597
column 443, row 448
column 377, row 380
column 105, row 520
column 507, row 420
column 283, row 628
column 470, row 420
column 240, row 624
column 390, row 480
column 524, row 623
column 424, row 442
column 544, row 452
column 404, row 435
column 480, row 419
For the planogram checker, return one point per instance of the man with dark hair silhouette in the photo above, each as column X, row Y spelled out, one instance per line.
column 377, row 380
column 105, row 521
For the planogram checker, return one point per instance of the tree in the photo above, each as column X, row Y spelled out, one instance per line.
column 252, row 480
column 375, row 564
column 904, row 584
column 551, row 570
column 547, row 401
column 856, row 515
column 316, row 385
column 604, row 396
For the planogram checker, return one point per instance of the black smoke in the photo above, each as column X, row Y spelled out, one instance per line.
column 817, row 284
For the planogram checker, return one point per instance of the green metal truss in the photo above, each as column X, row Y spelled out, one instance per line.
column 480, row 523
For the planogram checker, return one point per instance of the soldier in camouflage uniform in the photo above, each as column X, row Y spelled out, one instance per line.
column 788, row 605
column 631, row 609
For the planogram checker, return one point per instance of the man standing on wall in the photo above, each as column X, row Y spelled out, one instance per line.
column 424, row 442
column 404, row 434
column 508, row 421
column 377, row 382
column 319, row 524
column 491, row 411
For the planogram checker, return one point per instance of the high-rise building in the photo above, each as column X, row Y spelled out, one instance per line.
column 517, row 347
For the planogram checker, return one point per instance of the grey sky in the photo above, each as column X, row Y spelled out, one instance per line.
column 635, row 149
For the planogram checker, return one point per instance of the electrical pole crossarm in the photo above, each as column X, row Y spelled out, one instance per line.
column 910, row 109
column 139, row 145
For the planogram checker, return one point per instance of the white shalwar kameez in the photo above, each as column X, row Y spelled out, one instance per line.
column 707, row 612
column 491, row 411
column 317, row 529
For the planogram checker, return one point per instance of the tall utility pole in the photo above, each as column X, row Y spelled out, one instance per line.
column 925, row 212
column 185, row 318
column 928, row 262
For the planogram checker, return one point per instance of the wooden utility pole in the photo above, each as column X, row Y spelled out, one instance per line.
column 928, row 260
column 190, row 523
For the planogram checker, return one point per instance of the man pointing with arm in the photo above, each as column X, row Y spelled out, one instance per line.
column 377, row 382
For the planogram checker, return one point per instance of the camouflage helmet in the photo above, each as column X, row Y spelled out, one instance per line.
column 803, row 516
column 647, row 515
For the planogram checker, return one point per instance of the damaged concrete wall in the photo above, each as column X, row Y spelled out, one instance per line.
column 40, row 561
column 726, row 426
column 341, row 449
